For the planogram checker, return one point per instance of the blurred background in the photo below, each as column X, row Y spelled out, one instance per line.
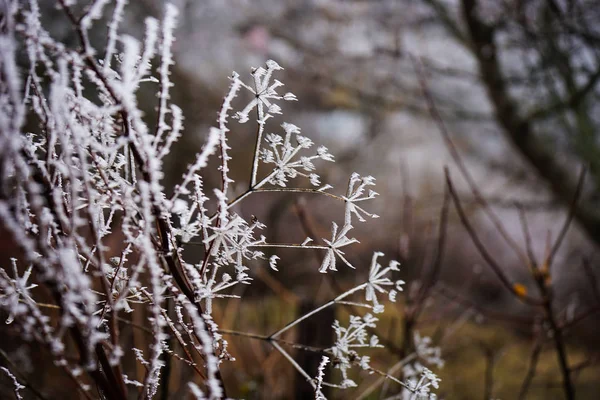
column 504, row 93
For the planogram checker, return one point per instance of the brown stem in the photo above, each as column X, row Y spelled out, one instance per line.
column 491, row 261
column 309, row 229
column 437, row 118
column 560, row 351
column 439, row 255
column 531, row 369
column 162, row 225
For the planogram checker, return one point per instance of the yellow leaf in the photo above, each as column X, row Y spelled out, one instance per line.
column 520, row 289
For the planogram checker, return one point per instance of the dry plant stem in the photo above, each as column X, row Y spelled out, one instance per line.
column 465, row 302
column 496, row 268
column 101, row 380
column 106, row 379
column 275, row 342
column 388, row 377
column 112, row 322
column 266, row 338
column 407, row 201
column 168, row 248
column 257, row 189
column 444, row 333
column 168, row 367
column 591, row 278
column 393, row 370
column 545, row 289
column 259, row 133
column 526, row 235
column 439, row 256
column 162, row 103
column 531, row 369
column 111, row 379
column 559, row 344
column 116, row 377
column 310, row 231
column 408, row 326
column 294, row 363
column 569, row 219
column 301, row 190
column 540, row 279
column 112, row 286
column 224, row 167
column 20, row 376
column 290, row 246
column 183, row 345
column 63, row 367
column 162, row 225
column 578, row 318
column 277, row 287
column 488, row 387
column 439, row 121
column 134, row 325
column 414, row 308
column 316, row 310
column 578, row 368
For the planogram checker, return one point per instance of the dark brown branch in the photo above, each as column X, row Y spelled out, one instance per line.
column 574, row 100
column 520, row 131
column 439, row 121
column 436, row 266
column 488, row 387
column 560, row 347
column 491, row 261
column 569, row 219
column 161, row 224
column 526, row 236
column 487, row 313
column 531, row 369
column 591, row 279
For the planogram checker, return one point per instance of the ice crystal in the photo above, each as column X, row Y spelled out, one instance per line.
column 347, row 340
column 17, row 387
column 12, row 290
column 264, row 93
column 320, row 376
column 378, row 281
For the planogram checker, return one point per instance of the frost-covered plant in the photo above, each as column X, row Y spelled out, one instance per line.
column 89, row 167
column 17, row 387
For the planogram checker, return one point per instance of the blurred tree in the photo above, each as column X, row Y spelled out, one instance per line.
column 539, row 62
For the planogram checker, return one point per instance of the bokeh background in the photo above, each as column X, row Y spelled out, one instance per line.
column 502, row 92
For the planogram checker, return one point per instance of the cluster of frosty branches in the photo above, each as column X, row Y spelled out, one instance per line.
column 87, row 168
